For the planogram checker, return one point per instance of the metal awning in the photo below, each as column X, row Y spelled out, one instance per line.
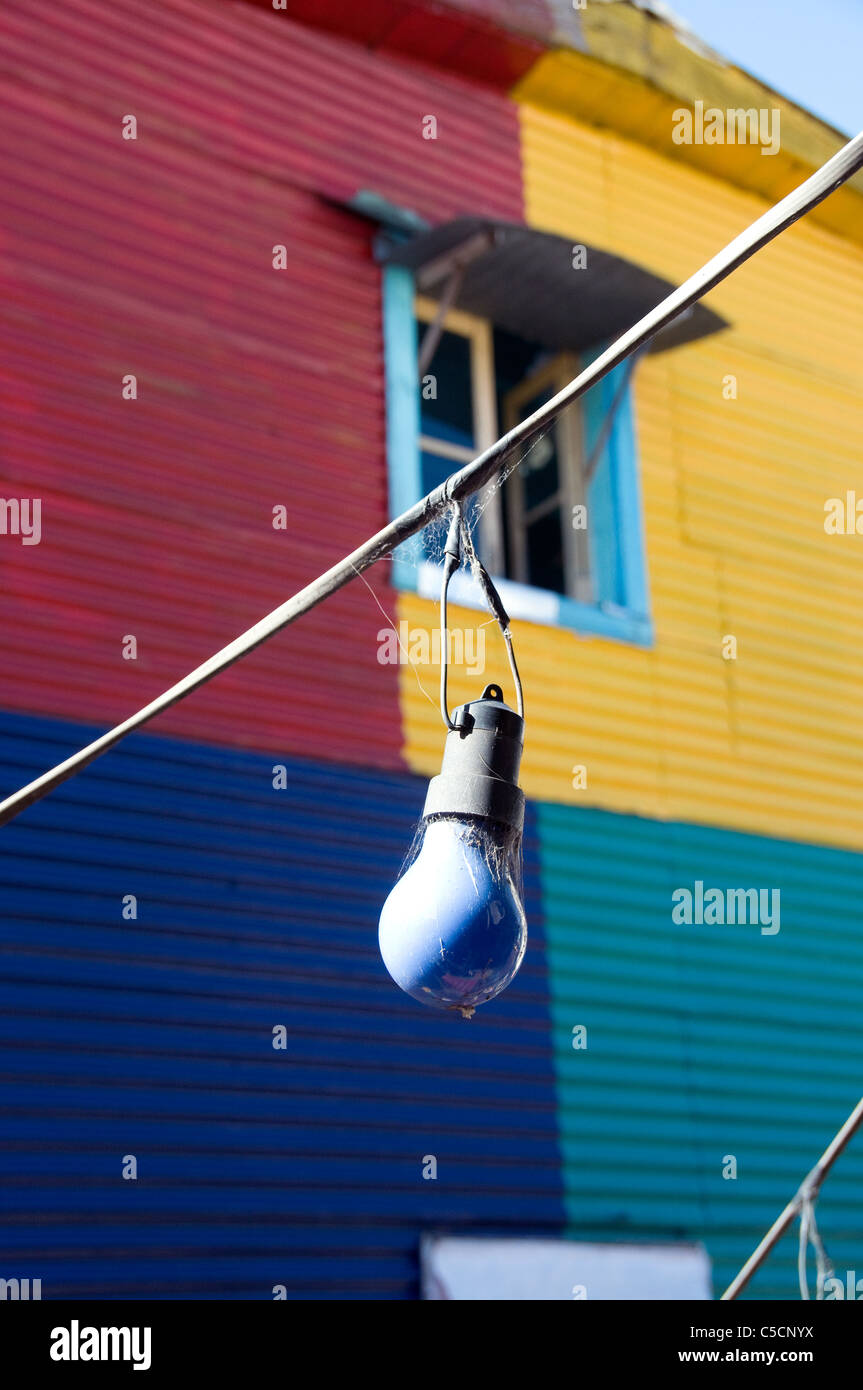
column 523, row 281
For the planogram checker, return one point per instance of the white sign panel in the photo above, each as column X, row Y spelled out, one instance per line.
column 462, row 1267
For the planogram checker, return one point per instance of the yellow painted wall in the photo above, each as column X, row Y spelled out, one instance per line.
column 734, row 496
column 637, row 74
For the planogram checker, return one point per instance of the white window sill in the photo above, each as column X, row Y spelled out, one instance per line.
column 532, row 605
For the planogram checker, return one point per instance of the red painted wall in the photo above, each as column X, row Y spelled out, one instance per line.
column 256, row 387
column 492, row 41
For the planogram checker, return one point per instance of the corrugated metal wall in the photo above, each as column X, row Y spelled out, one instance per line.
column 154, row 1037
column 734, row 493
column 229, row 84
column 257, row 387
column 493, row 42
column 624, row 67
column 703, row 1042
column 258, row 907
column 255, row 907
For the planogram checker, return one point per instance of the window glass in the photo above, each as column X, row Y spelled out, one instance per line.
column 436, row 470
column 449, row 415
column 523, row 526
column 544, row 527
column 540, row 467
column 545, row 564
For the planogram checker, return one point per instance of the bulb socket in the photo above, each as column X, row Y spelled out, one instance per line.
column 481, row 761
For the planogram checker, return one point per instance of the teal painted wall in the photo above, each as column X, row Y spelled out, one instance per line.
column 703, row 1041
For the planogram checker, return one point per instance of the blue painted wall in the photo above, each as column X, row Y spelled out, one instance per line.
column 302, row 1167
column 153, row 1037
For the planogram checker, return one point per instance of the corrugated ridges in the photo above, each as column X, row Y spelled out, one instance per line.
column 257, row 388
column 153, row 1037
column 635, row 73
column 703, row 1041
column 495, row 42
column 734, row 492
column 225, row 82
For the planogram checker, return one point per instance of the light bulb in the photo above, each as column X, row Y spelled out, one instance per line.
column 453, row 929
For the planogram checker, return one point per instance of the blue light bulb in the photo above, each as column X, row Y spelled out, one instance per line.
column 453, row 930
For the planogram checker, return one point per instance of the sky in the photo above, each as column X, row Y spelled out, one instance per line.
column 809, row 50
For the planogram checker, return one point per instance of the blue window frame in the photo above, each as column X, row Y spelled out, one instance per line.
column 619, row 607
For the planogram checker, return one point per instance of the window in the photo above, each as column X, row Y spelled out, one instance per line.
column 562, row 536
column 545, row 545
column 458, row 415
column 474, row 379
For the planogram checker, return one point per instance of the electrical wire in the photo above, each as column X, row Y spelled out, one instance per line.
column 496, row 608
column 801, row 1202
column 451, row 562
column 458, row 537
column 809, row 1234
column 473, row 476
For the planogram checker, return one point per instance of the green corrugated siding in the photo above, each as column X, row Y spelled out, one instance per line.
column 702, row 1040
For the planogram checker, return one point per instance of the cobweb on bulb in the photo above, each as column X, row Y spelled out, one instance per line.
column 500, row 847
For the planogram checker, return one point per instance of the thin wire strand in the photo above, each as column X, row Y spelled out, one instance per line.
column 803, row 1248
column 807, row 1191
column 451, row 562
column 516, row 678
column 473, row 476
column 810, row 1235
column 394, row 629
column 823, row 1264
column 496, row 608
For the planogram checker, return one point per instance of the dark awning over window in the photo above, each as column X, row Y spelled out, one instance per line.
column 524, row 281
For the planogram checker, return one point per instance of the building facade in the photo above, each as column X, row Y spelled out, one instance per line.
column 209, row 385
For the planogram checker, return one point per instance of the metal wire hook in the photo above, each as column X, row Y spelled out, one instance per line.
column 452, row 560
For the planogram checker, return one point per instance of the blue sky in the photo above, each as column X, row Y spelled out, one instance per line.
column 809, row 50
